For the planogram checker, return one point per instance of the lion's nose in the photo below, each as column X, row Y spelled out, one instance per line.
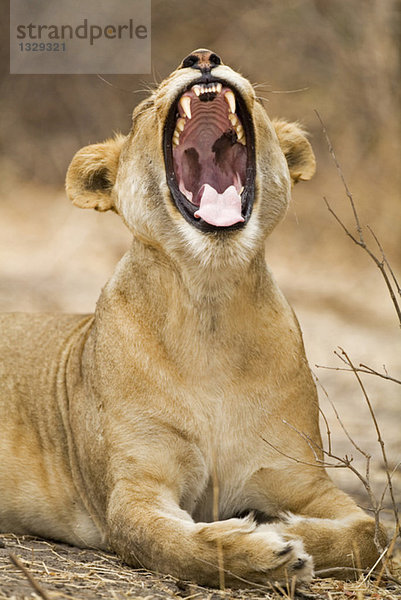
column 204, row 60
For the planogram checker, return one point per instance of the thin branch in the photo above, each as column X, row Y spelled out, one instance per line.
column 320, row 464
column 391, row 476
column 36, row 586
column 328, row 432
column 360, row 240
column 361, row 369
column 216, row 500
column 379, row 437
column 385, row 261
column 339, row 170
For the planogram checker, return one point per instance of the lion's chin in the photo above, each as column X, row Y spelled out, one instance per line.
column 209, row 154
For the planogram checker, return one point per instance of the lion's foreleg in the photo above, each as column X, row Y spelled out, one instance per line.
column 334, row 530
column 147, row 528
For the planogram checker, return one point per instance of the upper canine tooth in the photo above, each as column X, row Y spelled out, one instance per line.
column 180, row 124
column 218, row 87
column 185, row 102
column 196, row 89
column 230, row 99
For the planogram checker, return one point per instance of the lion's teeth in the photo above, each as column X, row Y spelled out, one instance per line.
column 240, row 134
column 233, row 119
column 176, row 140
column 208, row 88
column 185, row 102
column 180, row 124
column 230, row 99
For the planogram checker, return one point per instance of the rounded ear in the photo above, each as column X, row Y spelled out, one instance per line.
column 297, row 150
column 92, row 174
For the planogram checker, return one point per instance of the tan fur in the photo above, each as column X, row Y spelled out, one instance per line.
column 116, row 428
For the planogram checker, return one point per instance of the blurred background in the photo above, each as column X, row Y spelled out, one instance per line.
column 338, row 57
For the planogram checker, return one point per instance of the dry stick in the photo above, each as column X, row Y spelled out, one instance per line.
column 379, row 264
column 38, row 588
column 388, row 557
column 220, row 555
column 344, row 462
column 384, row 258
column 339, row 170
column 348, row 361
column 391, row 475
column 366, row 369
column 328, row 432
column 361, row 241
column 362, row 369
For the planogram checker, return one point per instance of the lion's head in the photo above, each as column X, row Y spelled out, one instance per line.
column 203, row 171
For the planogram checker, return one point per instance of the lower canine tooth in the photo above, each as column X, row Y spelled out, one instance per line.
column 230, row 99
column 233, row 119
column 185, row 103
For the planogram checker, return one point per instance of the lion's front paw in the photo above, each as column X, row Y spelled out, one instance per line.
column 291, row 560
column 258, row 554
column 287, row 556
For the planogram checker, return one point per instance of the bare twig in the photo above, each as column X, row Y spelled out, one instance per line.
column 328, row 432
column 36, row 586
column 220, row 555
column 384, row 258
column 340, row 172
column 381, row 263
column 348, row 361
column 362, row 369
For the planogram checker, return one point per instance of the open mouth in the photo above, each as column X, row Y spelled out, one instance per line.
column 209, row 152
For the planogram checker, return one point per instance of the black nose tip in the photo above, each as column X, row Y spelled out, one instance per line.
column 204, row 60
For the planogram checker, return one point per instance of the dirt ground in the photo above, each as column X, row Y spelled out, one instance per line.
column 54, row 257
column 53, row 571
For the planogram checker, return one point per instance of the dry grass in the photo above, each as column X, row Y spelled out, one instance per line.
column 59, row 571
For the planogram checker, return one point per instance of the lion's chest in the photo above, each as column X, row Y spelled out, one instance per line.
column 227, row 431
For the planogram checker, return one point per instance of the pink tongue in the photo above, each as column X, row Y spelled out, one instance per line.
column 220, row 210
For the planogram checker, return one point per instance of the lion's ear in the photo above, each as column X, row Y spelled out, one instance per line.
column 92, row 174
column 297, row 150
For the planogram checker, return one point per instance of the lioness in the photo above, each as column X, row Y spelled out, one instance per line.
column 178, row 425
